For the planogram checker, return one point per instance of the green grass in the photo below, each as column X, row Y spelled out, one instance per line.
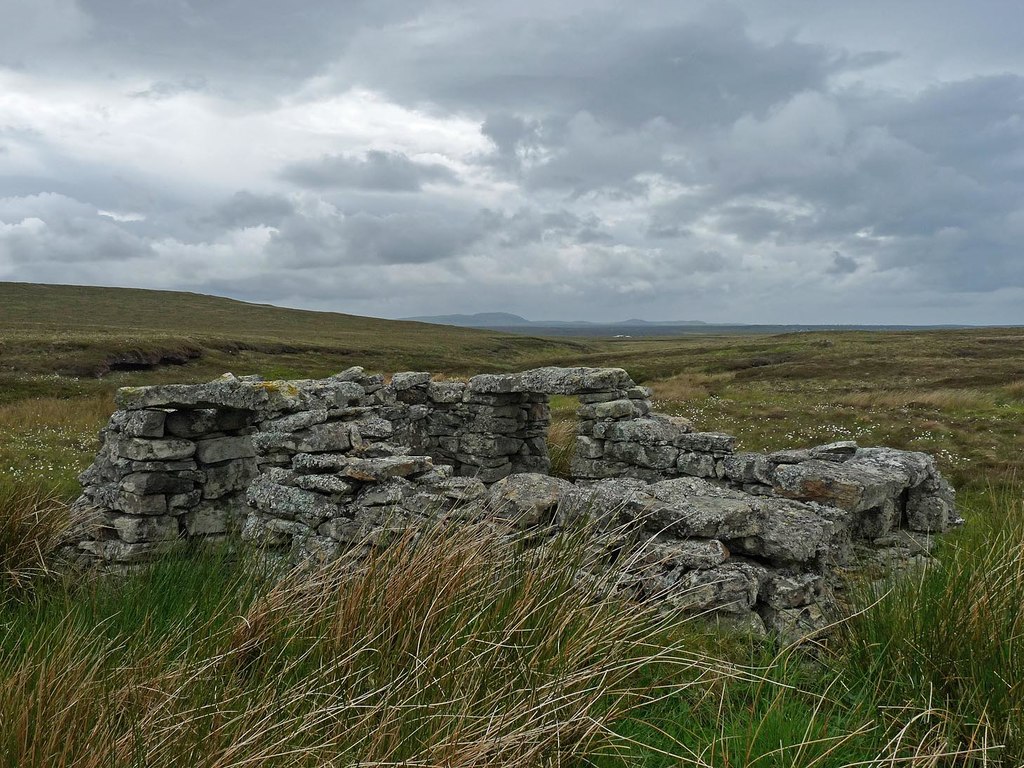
column 933, row 666
column 453, row 648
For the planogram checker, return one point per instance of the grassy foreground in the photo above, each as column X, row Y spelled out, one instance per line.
column 209, row 660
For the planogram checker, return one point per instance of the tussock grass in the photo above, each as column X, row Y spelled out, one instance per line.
column 562, row 445
column 685, row 387
column 943, row 399
column 33, row 525
column 1015, row 388
column 954, row 632
column 452, row 647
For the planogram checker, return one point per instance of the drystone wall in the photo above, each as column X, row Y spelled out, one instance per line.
column 309, row 468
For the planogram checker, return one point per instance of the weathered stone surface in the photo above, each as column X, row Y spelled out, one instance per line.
column 851, row 485
column 135, row 504
column 596, row 469
column 331, row 393
column 356, row 373
column 600, row 397
column 648, row 456
column 191, row 424
column 371, row 428
column 122, row 552
column 838, row 451
column 732, row 587
column 872, row 523
column 296, row 421
column 650, row 430
column 289, row 503
column 271, row 532
column 931, row 507
column 911, row 467
column 161, row 449
column 589, row 448
column 553, row 381
column 208, row 520
column 774, row 529
column 218, row 449
column 327, row 484
column 460, row 489
column 605, row 503
column 317, row 549
column 613, row 409
column 489, row 445
column 781, row 591
column 148, row 483
column 147, row 423
column 527, row 499
column 205, row 421
column 332, row 437
column 231, row 477
column 791, row 456
column 180, row 502
column 409, row 379
column 266, row 396
column 749, row 468
column 446, row 391
column 136, row 529
column 696, row 464
column 185, row 467
column 795, row 624
column 681, row 554
column 716, row 443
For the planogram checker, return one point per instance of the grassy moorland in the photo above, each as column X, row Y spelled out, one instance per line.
column 206, row 660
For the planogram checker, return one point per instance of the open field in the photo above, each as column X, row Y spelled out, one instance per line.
column 936, row 667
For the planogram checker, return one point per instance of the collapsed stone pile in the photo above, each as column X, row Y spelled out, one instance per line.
column 309, row 468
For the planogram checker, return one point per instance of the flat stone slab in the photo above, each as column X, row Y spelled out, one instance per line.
column 223, row 393
column 553, row 381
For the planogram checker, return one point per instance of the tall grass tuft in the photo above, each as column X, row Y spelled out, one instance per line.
column 33, row 524
column 953, row 634
column 455, row 646
column 562, row 446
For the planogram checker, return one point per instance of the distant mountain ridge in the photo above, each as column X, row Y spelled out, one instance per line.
column 508, row 320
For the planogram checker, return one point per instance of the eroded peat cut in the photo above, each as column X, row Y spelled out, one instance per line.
column 311, row 468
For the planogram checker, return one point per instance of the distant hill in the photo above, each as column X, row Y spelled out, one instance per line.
column 95, row 331
column 502, row 320
column 479, row 320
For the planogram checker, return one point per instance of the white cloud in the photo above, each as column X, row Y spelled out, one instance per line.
column 574, row 159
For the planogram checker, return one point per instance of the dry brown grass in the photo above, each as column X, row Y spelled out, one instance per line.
column 1015, row 388
column 453, row 647
column 942, row 399
column 33, row 525
column 689, row 386
column 79, row 413
column 562, row 445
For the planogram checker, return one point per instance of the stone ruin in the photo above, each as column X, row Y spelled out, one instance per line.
column 308, row 468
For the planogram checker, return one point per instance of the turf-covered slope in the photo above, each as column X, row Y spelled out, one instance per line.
column 89, row 331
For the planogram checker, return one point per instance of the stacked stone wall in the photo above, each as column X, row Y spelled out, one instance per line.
column 313, row 467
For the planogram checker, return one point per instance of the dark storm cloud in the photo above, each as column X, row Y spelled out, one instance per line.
column 246, row 209
column 230, row 43
column 54, row 229
column 690, row 73
column 842, row 265
column 360, row 238
column 377, row 170
column 753, row 161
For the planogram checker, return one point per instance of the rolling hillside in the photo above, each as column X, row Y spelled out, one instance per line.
column 94, row 332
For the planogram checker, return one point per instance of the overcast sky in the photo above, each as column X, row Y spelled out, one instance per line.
column 775, row 161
